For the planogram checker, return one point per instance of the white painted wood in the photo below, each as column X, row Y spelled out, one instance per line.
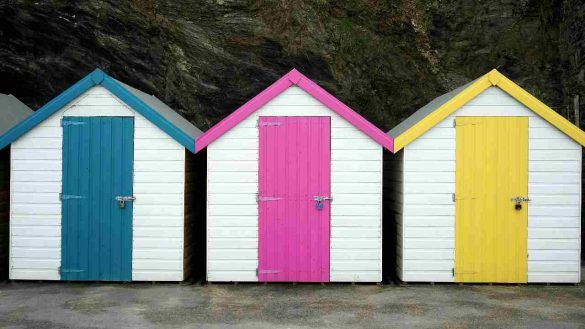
column 554, row 185
column 356, row 183
column 35, row 218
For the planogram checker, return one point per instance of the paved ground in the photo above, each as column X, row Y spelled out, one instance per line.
column 56, row 305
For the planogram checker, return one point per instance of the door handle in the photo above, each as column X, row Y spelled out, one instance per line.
column 319, row 200
column 123, row 199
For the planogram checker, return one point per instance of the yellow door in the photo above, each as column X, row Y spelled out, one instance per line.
column 491, row 169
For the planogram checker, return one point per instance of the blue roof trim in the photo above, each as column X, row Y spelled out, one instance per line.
column 97, row 77
column 46, row 111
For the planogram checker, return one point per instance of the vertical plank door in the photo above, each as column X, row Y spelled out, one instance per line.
column 491, row 169
column 294, row 168
column 98, row 156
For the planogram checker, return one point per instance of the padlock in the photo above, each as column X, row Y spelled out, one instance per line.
column 123, row 199
column 319, row 201
column 518, row 201
column 319, row 204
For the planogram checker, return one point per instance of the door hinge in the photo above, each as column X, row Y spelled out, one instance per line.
column 61, row 270
column 71, row 123
column 455, row 198
column 455, row 125
column 453, row 272
column 69, row 197
column 270, row 123
column 266, row 198
column 267, row 271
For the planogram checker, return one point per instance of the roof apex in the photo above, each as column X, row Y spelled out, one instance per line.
column 294, row 77
column 97, row 76
column 441, row 107
column 494, row 76
column 165, row 119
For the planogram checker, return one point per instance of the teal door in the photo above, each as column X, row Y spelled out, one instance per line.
column 98, row 157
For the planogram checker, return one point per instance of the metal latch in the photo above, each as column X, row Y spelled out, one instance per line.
column 123, row 199
column 518, row 201
column 320, row 200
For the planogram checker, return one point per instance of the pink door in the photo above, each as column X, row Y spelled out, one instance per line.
column 293, row 227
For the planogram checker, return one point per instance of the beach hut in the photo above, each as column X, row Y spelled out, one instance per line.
column 12, row 111
column 294, row 183
column 488, row 188
column 98, row 181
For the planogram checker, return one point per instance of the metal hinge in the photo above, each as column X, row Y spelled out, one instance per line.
column 69, row 271
column 267, row 271
column 462, row 124
column 453, row 271
column 454, row 198
column 71, row 123
column 268, row 123
column 266, row 198
column 69, row 197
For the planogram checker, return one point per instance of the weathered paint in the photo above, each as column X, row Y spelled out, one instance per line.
column 294, row 77
column 97, row 167
column 491, row 169
column 294, row 167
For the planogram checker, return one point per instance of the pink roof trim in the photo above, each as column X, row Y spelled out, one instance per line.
column 294, row 77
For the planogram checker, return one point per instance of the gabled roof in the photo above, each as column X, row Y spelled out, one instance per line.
column 443, row 106
column 149, row 106
column 12, row 111
column 293, row 77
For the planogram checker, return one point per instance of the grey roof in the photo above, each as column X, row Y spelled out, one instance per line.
column 12, row 112
column 163, row 109
column 425, row 110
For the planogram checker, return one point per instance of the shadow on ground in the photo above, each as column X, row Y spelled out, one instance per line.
column 70, row 305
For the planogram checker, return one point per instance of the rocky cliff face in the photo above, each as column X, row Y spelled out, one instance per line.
column 206, row 57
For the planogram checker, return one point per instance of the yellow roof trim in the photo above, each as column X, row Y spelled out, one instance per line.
column 493, row 78
column 541, row 109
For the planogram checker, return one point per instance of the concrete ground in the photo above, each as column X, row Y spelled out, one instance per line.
column 74, row 305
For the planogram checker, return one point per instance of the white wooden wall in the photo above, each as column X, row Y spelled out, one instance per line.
column 554, row 185
column 356, row 186
column 35, row 217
